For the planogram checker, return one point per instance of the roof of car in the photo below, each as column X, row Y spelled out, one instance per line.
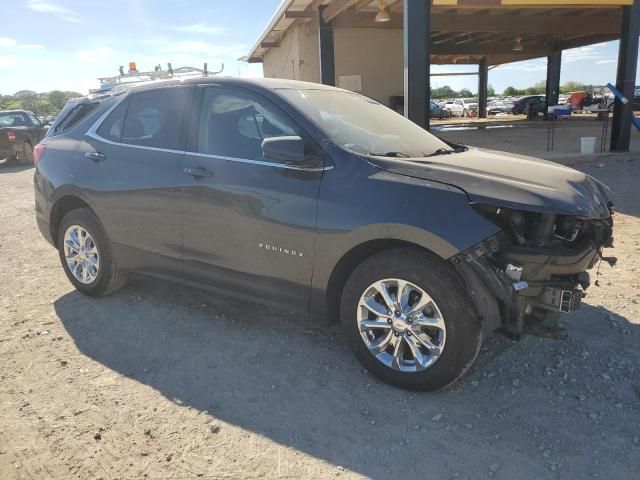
column 18, row 110
column 269, row 83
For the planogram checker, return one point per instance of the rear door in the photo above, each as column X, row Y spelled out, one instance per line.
column 137, row 154
column 249, row 222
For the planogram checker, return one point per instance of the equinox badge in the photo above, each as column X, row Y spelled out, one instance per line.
column 276, row 249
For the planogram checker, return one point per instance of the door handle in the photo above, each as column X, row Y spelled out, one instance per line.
column 197, row 172
column 95, row 156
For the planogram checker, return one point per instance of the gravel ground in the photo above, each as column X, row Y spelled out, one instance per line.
column 164, row 382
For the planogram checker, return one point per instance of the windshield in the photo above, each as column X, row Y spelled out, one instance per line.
column 363, row 125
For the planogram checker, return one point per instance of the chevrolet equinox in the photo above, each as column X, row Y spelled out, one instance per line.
column 323, row 201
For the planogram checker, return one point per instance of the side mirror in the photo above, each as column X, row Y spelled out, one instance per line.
column 287, row 150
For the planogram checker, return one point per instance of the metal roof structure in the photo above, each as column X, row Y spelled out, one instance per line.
column 480, row 32
column 463, row 31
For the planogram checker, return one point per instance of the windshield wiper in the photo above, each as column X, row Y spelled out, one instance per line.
column 390, row 154
column 446, row 151
column 441, row 151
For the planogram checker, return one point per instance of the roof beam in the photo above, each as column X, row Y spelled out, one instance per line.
column 336, row 8
column 300, row 14
column 550, row 25
column 483, row 50
column 363, row 4
column 396, row 6
column 517, row 24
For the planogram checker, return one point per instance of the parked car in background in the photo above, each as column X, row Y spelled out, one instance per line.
column 447, row 105
column 522, row 104
column 322, row 201
column 20, row 131
column 636, row 99
column 436, row 111
column 464, row 107
column 495, row 107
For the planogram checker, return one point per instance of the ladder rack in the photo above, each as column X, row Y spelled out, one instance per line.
column 135, row 76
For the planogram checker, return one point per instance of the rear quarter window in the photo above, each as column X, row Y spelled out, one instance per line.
column 71, row 115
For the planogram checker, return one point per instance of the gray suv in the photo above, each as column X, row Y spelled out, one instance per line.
column 322, row 201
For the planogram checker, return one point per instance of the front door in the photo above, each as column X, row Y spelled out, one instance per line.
column 249, row 222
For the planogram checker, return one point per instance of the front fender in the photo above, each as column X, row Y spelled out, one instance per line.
column 360, row 203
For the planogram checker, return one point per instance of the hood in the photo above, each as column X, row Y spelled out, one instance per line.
column 509, row 180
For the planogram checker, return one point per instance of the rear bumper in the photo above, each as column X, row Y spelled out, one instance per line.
column 42, row 208
column 7, row 151
column 45, row 230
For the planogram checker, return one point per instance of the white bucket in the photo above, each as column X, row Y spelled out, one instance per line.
column 587, row 144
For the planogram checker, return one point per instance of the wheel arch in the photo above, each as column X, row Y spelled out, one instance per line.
column 60, row 208
column 350, row 260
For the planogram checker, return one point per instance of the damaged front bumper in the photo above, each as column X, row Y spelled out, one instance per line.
column 513, row 285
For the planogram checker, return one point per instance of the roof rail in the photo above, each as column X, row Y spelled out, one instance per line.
column 135, row 76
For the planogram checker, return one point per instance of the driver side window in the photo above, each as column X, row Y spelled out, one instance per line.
column 233, row 123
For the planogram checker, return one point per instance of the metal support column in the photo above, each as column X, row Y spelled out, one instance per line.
column 417, row 42
column 554, row 62
column 327, row 56
column 483, row 82
column 626, row 78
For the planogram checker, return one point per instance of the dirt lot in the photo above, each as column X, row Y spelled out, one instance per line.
column 165, row 382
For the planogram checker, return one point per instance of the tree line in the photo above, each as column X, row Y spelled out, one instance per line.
column 536, row 89
column 48, row 103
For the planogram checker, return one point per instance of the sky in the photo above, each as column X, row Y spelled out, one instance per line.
column 67, row 44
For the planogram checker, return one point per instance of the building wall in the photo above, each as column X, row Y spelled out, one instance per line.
column 309, row 54
column 296, row 58
column 376, row 55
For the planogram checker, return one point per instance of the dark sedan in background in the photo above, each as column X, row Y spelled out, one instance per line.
column 20, row 131
column 436, row 111
column 523, row 104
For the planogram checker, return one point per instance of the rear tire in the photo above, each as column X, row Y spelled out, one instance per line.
column 103, row 276
column 458, row 344
column 27, row 153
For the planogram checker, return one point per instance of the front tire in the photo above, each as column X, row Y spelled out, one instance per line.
column 86, row 254
column 410, row 320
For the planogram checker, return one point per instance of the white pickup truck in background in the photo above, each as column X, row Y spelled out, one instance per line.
column 464, row 107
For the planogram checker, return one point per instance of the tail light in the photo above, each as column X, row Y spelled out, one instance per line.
column 38, row 150
column 11, row 136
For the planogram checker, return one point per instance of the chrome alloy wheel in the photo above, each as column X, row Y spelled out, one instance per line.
column 401, row 325
column 81, row 254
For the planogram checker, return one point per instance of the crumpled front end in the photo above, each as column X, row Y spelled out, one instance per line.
column 535, row 268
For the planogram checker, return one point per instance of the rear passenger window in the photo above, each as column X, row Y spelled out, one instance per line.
column 153, row 118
